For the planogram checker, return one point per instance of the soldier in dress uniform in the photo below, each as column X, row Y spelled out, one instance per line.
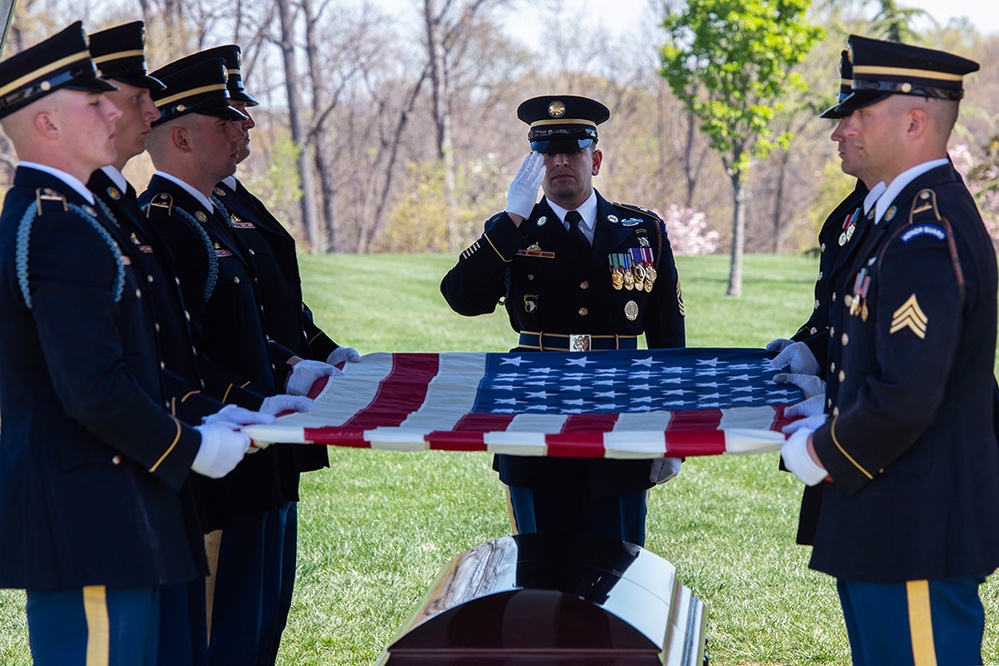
column 575, row 273
column 909, row 516
column 194, row 145
column 119, row 52
column 290, row 323
column 92, row 519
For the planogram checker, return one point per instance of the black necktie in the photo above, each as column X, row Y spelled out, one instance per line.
column 576, row 234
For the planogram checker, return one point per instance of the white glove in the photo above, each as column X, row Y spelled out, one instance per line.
column 664, row 469
column 222, row 447
column 795, row 451
column 813, row 406
column 798, row 358
column 809, row 423
column 778, row 345
column 523, row 192
column 283, row 402
column 343, row 355
column 305, row 373
column 810, row 385
column 239, row 416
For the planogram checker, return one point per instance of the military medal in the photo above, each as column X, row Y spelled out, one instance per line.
column 631, row 310
column 849, row 225
column 629, row 277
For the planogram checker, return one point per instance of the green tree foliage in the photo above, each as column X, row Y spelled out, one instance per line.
column 729, row 62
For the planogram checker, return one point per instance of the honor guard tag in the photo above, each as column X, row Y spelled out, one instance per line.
column 924, row 230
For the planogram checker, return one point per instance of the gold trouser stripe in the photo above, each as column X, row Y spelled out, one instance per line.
column 213, row 543
column 509, row 510
column 920, row 622
column 95, row 609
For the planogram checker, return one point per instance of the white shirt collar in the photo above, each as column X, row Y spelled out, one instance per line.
column 202, row 199
column 69, row 179
column 587, row 212
column 116, row 176
column 231, row 182
column 896, row 186
column 873, row 196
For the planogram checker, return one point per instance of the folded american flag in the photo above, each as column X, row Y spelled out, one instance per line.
column 614, row 404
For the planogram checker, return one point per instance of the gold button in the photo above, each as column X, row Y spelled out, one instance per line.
column 235, row 280
column 848, row 300
column 842, row 376
column 833, row 296
column 816, row 306
column 829, row 402
column 583, row 312
column 823, row 247
column 252, row 253
column 845, row 339
column 116, row 459
column 832, row 367
column 832, row 331
column 584, row 285
column 162, row 365
column 149, row 279
column 813, row 330
column 530, row 276
column 138, row 293
column 835, row 411
column 157, row 326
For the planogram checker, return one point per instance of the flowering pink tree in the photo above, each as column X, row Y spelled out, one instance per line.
column 983, row 182
column 688, row 231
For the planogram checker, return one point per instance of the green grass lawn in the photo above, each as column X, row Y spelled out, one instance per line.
column 377, row 527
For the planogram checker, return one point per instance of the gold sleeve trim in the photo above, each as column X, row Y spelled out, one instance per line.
column 173, row 445
column 498, row 254
column 832, row 432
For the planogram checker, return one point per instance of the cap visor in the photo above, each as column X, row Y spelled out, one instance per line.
column 139, row 80
column 91, row 85
column 243, row 96
column 859, row 100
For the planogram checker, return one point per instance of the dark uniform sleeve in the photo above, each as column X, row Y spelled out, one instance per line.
column 72, row 273
column 478, row 281
column 915, row 328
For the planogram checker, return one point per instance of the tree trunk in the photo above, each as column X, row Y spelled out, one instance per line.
column 442, row 117
column 782, row 162
column 739, row 197
column 298, row 135
column 320, row 135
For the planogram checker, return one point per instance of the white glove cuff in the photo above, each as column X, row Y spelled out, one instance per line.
column 796, row 459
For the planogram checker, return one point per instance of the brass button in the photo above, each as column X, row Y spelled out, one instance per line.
column 149, row 279
column 833, row 297
column 584, row 285
column 157, row 327
column 235, row 280
column 845, row 339
column 823, row 247
column 583, row 312
column 138, row 293
column 832, row 367
column 530, row 276
column 116, row 459
column 842, row 376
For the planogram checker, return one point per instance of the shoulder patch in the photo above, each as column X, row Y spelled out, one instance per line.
column 923, row 230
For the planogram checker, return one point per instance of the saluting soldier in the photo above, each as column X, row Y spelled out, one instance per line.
column 909, row 520
column 575, row 273
column 92, row 521
column 194, row 144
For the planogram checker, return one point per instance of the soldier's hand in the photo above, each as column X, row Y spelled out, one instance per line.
column 778, row 345
column 798, row 358
column 664, row 469
column 810, row 385
column 795, row 452
column 810, row 407
column 523, row 192
column 239, row 416
column 222, row 447
column 276, row 404
column 305, row 373
column 343, row 355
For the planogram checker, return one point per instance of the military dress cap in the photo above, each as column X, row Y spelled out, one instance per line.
column 233, row 57
column 61, row 61
column 883, row 68
column 119, row 53
column 562, row 123
column 200, row 88
column 845, row 87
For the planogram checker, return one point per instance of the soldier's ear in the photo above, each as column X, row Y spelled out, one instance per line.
column 46, row 125
column 180, row 138
column 598, row 158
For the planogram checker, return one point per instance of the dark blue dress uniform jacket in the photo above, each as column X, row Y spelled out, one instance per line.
column 279, row 288
column 570, row 294
column 218, row 282
column 91, row 461
column 910, row 444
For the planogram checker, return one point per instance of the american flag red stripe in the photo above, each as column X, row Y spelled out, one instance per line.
column 636, row 404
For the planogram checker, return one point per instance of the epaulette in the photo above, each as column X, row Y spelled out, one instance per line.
column 644, row 211
column 924, row 201
column 162, row 200
column 47, row 194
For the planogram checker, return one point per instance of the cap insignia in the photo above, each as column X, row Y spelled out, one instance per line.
column 556, row 109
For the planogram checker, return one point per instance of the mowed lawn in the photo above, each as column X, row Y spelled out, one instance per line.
column 377, row 527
